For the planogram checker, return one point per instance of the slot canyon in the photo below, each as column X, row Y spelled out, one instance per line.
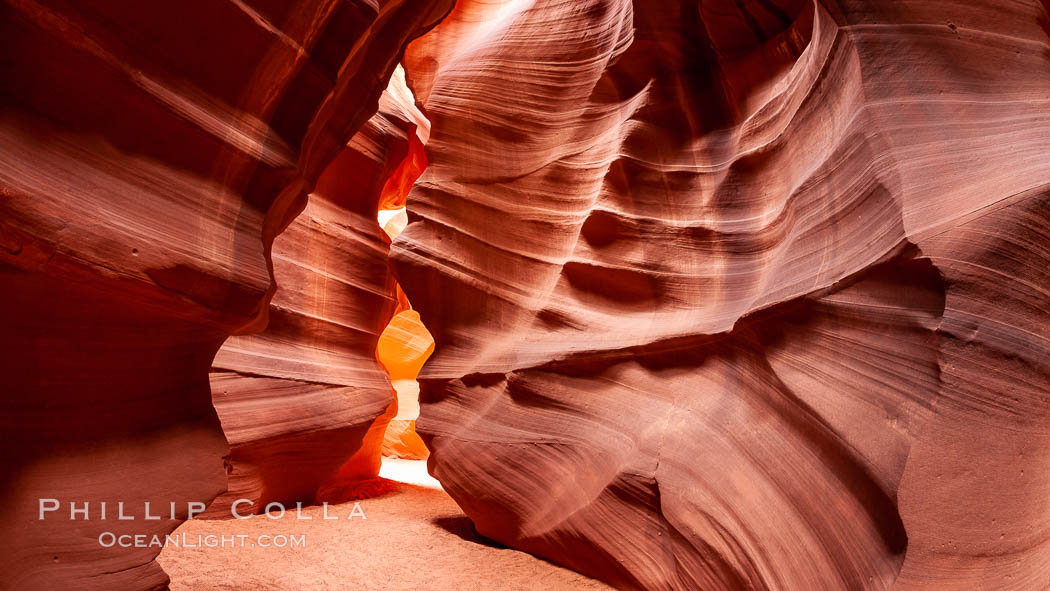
column 525, row 294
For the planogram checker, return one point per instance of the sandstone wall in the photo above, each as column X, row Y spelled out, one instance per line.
column 741, row 294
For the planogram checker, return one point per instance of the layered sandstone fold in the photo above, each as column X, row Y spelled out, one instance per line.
column 151, row 152
column 734, row 295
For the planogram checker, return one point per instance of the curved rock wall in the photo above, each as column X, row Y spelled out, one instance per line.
column 151, row 153
column 737, row 295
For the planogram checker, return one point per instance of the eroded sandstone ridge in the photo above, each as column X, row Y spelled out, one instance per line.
column 305, row 402
column 151, row 152
column 748, row 294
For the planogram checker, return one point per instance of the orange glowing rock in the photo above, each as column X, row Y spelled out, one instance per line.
column 402, row 441
column 404, row 346
column 366, row 461
column 400, row 183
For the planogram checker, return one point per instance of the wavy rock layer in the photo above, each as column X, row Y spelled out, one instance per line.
column 766, row 303
column 305, row 401
column 151, row 153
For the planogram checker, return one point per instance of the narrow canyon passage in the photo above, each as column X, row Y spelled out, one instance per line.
column 395, row 529
column 672, row 294
column 309, row 403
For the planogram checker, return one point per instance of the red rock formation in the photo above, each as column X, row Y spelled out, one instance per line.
column 738, row 295
column 305, row 401
column 151, row 152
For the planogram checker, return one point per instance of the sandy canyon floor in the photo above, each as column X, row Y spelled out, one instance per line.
column 414, row 537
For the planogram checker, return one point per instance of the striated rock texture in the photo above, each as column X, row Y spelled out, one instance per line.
column 149, row 154
column 733, row 295
column 306, row 401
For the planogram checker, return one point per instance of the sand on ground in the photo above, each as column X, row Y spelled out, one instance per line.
column 413, row 537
